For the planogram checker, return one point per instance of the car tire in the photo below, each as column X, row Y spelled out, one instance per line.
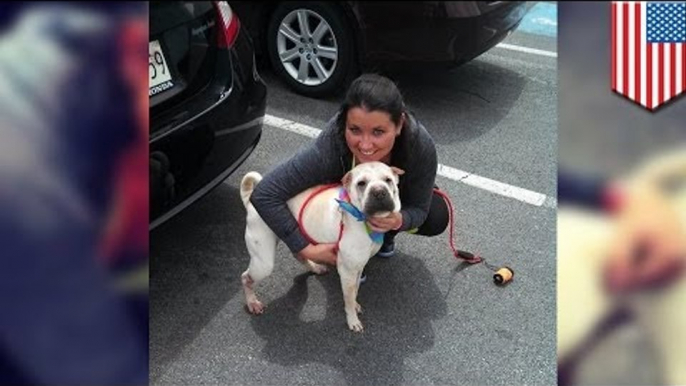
column 319, row 62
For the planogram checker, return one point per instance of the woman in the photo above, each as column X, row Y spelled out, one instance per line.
column 371, row 125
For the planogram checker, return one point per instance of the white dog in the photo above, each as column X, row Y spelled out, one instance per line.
column 371, row 187
column 583, row 303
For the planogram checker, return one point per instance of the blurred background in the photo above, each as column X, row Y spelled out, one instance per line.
column 602, row 137
column 599, row 131
column 74, row 193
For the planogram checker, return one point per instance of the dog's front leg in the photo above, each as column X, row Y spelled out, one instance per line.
column 349, row 271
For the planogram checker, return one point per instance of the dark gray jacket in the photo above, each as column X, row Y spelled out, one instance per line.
column 327, row 159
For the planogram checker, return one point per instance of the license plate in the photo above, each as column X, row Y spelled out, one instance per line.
column 160, row 77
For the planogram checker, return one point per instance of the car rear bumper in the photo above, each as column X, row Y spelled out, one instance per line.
column 488, row 30
column 196, row 145
column 454, row 34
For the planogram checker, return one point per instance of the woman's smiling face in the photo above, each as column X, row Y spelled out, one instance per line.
column 370, row 135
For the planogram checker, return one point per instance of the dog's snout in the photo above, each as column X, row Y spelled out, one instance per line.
column 379, row 194
column 379, row 198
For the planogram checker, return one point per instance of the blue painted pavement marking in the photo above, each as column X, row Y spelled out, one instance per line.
column 540, row 20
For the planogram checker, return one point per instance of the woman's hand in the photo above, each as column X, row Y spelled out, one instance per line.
column 384, row 224
column 320, row 253
column 649, row 248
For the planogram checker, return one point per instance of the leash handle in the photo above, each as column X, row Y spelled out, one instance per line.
column 466, row 256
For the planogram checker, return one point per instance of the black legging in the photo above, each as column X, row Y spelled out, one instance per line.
column 436, row 221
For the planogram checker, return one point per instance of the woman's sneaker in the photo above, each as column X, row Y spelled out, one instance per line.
column 387, row 250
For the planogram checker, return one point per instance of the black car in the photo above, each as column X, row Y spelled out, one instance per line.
column 316, row 47
column 207, row 101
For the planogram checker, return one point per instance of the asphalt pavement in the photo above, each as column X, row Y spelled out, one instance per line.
column 428, row 318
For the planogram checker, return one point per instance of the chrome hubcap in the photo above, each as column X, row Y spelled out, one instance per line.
column 307, row 47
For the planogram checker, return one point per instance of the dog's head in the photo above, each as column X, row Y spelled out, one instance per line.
column 373, row 188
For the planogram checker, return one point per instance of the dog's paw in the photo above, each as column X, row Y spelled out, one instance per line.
column 355, row 325
column 255, row 307
column 358, row 308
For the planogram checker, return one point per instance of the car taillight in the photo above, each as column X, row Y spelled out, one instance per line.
column 229, row 23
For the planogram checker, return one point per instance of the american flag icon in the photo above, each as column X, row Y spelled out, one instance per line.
column 648, row 55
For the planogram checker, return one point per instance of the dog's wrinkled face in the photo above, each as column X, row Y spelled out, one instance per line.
column 373, row 188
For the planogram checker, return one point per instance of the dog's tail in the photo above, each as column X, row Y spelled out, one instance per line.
column 248, row 184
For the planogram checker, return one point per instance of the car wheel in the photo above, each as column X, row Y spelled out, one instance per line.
column 311, row 47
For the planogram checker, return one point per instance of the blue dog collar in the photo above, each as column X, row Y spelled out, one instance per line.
column 344, row 202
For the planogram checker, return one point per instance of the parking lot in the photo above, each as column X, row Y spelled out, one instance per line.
column 428, row 318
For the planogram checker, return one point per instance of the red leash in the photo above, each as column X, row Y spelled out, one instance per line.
column 502, row 275
column 302, row 210
column 466, row 256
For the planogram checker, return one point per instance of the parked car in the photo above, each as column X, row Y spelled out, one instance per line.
column 207, row 101
column 316, row 47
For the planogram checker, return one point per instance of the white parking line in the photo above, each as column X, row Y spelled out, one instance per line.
column 500, row 188
column 295, row 127
column 527, row 50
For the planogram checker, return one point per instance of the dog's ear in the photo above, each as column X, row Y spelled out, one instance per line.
column 347, row 180
column 397, row 171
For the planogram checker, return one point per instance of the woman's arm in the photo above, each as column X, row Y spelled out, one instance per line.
column 419, row 182
column 316, row 164
column 581, row 189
